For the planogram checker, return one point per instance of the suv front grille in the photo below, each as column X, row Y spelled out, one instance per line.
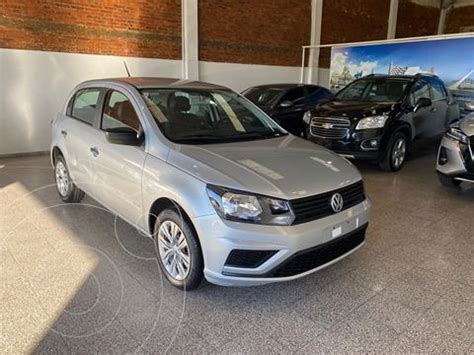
column 310, row 208
column 322, row 254
column 330, row 127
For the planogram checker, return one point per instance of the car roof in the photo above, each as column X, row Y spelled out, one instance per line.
column 280, row 86
column 152, row 82
column 407, row 77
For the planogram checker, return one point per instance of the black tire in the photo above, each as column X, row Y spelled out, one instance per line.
column 388, row 162
column 448, row 181
column 71, row 193
column 195, row 272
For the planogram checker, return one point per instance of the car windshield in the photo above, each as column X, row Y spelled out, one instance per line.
column 262, row 96
column 208, row 116
column 374, row 90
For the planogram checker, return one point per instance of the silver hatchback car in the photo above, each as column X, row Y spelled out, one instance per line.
column 225, row 192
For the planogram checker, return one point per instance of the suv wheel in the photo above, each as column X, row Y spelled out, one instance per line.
column 66, row 188
column 396, row 153
column 178, row 250
column 448, row 181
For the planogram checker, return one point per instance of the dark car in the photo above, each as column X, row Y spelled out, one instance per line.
column 378, row 116
column 287, row 103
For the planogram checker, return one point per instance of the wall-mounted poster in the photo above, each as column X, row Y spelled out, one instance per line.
column 450, row 59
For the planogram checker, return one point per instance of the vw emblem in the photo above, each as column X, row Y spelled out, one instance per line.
column 337, row 202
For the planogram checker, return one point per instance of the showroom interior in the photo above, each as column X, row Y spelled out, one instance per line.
column 80, row 277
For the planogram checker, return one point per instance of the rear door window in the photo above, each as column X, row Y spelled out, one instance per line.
column 296, row 96
column 85, row 105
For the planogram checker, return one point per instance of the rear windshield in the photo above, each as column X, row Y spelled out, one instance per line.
column 375, row 90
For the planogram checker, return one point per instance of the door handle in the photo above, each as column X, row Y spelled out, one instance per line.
column 64, row 133
column 95, row 151
column 434, row 109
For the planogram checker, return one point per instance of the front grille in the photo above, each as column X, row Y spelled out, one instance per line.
column 322, row 254
column 248, row 258
column 314, row 207
column 330, row 127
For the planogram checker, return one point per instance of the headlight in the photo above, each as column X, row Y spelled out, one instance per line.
column 372, row 122
column 243, row 207
column 307, row 117
column 457, row 134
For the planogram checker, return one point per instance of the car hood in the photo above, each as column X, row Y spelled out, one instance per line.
column 287, row 167
column 352, row 109
column 467, row 125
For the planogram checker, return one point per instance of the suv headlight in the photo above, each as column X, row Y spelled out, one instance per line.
column 307, row 117
column 372, row 122
column 245, row 207
column 457, row 134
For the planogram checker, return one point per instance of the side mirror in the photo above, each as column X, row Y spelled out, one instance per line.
column 286, row 104
column 123, row 136
column 422, row 102
column 469, row 106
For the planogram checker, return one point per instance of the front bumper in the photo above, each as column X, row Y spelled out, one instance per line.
column 356, row 145
column 219, row 237
column 455, row 158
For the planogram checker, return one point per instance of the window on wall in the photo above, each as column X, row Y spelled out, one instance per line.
column 119, row 112
column 85, row 104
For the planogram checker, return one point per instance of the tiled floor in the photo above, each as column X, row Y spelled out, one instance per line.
column 76, row 279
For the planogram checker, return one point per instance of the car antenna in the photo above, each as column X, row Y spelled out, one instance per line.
column 126, row 68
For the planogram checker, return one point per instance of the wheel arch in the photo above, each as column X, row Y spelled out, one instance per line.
column 55, row 152
column 159, row 206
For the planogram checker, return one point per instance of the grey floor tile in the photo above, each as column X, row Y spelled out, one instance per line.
column 333, row 302
column 253, row 342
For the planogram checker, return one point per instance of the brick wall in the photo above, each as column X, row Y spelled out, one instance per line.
column 458, row 18
column 254, row 31
column 352, row 21
column 416, row 20
column 127, row 28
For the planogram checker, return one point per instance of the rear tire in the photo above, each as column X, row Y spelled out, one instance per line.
column 448, row 181
column 395, row 154
column 178, row 250
column 67, row 190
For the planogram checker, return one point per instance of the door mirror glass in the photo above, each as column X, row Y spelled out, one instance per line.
column 286, row 104
column 422, row 102
column 469, row 106
column 123, row 136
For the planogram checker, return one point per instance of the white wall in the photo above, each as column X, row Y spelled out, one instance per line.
column 241, row 76
column 34, row 86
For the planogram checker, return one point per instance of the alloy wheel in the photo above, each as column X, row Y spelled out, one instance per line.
column 399, row 152
column 62, row 179
column 173, row 250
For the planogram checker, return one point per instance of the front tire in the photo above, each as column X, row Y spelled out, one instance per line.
column 67, row 190
column 178, row 250
column 448, row 181
column 395, row 154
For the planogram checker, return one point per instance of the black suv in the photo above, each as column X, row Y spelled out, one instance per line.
column 287, row 103
column 378, row 116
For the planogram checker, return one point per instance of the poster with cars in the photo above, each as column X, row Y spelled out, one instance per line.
column 451, row 59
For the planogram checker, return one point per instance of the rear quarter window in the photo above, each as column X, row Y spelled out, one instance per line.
column 85, row 105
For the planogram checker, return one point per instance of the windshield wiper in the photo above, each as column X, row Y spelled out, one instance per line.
column 258, row 135
column 198, row 137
